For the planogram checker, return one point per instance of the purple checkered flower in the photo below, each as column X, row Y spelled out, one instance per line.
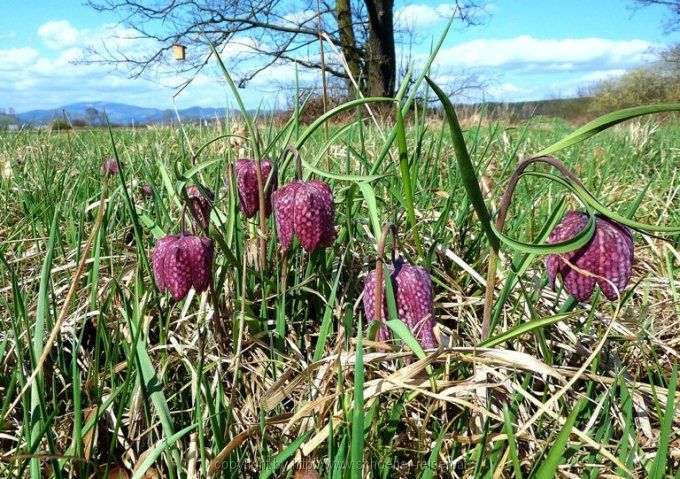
column 109, row 166
column 606, row 260
column 200, row 202
column 305, row 209
column 182, row 261
column 147, row 191
column 246, row 181
column 412, row 288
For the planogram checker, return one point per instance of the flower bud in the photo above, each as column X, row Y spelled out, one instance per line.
column 200, row 202
column 109, row 166
column 246, row 182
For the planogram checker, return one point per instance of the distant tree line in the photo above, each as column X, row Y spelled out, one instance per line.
column 655, row 83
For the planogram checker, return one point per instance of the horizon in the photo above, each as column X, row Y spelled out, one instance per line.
column 524, row 52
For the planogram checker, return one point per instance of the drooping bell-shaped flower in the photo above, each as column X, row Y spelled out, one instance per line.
column 412, row 288
column 246, row 182
column 109, row 166
column 305, row 209
column 182, row 261
column 606, row 260
column 200, row 202
column 147, row 191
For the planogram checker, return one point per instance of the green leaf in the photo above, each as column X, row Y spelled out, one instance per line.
column 372, row 204
column 152, row 226
column 401, row 330
column 340, row 176
column 242, row 107
column 661, row 459
column 158, row 450
column 548, row 468
column 406, row 180
column 604, row 122
column 524, row 328
column 357, row 447
column 512, row 443
column 565, row 246
column 328, row 313
column 278, row 461
column 434, row 456
column 465, row 166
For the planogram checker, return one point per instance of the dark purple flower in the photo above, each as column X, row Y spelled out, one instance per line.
column 305, row 209
column 109, row 166
column 200, row 202
column 607, row 258
column 412, row 288
column 182, row 261
column 246, row 181
column 147, row 191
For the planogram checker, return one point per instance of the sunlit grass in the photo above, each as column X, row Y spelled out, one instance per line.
column 168, row 392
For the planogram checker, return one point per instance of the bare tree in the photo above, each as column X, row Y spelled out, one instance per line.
column 671, row 54
column 673, row 22
column 253, row 35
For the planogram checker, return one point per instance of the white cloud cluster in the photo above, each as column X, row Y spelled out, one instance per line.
column 45, row 76
column 59, row 34
column 420, row 16
column 34, row 77
column 528, row 54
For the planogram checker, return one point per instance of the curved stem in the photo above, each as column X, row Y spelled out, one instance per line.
column 298, row 160
column 182, row 218
column 389, row 227
column 262, row 236
column 500, row 223
column 510, row 190
column 257, row 139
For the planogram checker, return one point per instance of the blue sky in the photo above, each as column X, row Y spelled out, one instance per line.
column 525, row 49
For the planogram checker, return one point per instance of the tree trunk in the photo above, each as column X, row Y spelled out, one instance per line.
column 381, row 61
column 343, row 10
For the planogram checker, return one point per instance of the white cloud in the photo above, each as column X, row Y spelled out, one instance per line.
column 31, row 78
column 602, row 75
column 418, row 17
column 505, row 90
column 17, row 58
column 529, row 54
column 59, row 34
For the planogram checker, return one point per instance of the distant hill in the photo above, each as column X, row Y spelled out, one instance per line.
column 571, row 109
column 119, row 113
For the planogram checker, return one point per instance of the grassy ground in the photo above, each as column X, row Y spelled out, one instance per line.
column 247, row 384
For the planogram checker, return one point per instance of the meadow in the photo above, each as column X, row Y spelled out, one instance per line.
column 275, row 371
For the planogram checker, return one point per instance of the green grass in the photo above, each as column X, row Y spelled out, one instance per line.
column 171, row 387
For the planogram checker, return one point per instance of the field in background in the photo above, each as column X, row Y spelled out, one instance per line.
column 140, row 385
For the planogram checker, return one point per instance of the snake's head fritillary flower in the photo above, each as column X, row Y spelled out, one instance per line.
column 182, row 261
column 147, row 191
column 109, row 166
column 606, row 260
column 246, row 182
column 412, row 288
column 200, row 202
column 304, row 209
